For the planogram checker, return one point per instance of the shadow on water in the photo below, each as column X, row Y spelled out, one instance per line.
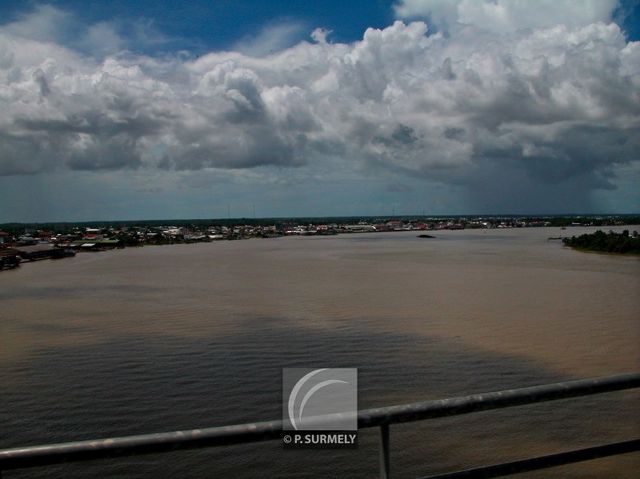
column 71, row 292
column 147, row 384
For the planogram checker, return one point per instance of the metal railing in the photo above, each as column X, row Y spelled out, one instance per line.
column 26, row 457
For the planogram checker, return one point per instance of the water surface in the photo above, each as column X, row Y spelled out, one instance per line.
column 175, row 337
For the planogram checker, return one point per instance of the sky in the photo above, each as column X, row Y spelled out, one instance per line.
column 165, row 109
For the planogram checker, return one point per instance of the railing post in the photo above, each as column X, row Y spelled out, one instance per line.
column 384, row 452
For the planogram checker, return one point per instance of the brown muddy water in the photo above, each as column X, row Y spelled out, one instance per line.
column 176, row 337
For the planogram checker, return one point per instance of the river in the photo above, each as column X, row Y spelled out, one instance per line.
column 175, row 337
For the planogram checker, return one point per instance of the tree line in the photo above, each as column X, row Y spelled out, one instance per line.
column 610, row 242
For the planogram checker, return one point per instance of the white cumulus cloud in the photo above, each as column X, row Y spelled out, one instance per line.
column 521, row 99
column 506, row 16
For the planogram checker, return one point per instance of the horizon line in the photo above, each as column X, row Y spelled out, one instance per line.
column 249, row 218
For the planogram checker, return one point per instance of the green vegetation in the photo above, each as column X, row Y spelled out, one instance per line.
column 622, row 243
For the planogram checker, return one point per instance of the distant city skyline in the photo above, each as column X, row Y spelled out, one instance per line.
column 148, row 110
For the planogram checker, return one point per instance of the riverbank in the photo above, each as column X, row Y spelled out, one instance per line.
column 600, row 242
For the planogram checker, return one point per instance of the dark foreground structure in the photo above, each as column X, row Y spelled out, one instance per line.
column 26, row 457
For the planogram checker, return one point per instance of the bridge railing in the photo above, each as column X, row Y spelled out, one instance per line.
column 382, row 418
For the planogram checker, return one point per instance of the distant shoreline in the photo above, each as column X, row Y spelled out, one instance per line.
column 555, row 219
column 624, row 243
column 26, row 242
